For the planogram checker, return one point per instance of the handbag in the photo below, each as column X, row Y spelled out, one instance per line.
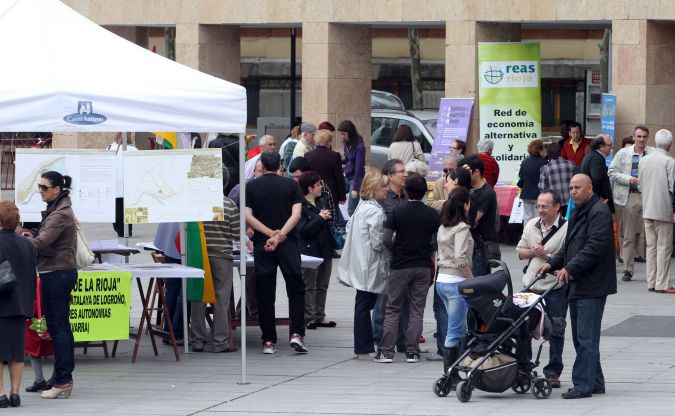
column 39, row 324
column 7, row 278
column 337, row 238
column 83, row 255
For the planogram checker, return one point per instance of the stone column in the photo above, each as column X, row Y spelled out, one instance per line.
column 337, row 75
column 213, row 49
column 660, row 77
column 461, row 59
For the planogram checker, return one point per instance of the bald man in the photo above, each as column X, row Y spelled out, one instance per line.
column 586, row 263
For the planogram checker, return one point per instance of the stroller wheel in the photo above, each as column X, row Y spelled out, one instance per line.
column 463, row 391
column 541, row 388
column 442, row 386
column 522, row 384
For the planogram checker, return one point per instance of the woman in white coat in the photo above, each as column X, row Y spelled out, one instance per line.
column 365, row 261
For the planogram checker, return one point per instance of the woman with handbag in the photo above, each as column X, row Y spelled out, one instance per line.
column 315, row 240
column 17, row 291
column 405, row 146
column 365, row 260
column 56, row 244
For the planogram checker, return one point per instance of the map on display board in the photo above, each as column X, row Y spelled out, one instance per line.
column 173, row 186
column 93, row 186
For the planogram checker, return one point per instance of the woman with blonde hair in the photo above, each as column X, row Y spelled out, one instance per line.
column 364, row 262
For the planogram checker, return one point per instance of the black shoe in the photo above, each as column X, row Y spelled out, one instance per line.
column 38, row 387
column 640, row 259
column 627, row 276
column 412, row 357
column 14, row 400
column 575, row 394
column 620, row 260
column 598, row 390
column 4, row 401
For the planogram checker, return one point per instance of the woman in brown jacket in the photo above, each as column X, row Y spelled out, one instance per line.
column 55, row 243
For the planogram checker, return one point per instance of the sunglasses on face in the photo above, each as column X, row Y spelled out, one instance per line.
column 44, row 188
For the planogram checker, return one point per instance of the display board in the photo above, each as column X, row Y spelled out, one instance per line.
column 100, row 307
column 510, row 101
column 93, row 187
column 173, row 186
column 454, row 117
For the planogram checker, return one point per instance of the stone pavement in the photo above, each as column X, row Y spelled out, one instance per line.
column 640, row 371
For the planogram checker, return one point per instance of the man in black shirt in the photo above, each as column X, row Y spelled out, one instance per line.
column 482, row 214
column 415, row 226
column 273, row 208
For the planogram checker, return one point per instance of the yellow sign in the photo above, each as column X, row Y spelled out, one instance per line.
column 100, row 307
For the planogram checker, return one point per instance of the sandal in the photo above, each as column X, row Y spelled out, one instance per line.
column 329, row 324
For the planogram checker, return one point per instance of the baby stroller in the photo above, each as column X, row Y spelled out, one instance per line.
column 498, row 353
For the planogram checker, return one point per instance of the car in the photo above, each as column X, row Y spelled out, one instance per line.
column 387, row 114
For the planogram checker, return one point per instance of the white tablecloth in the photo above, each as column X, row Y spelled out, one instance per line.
column 149, row 270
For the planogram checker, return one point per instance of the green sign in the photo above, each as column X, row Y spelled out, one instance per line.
column 510, row 101
column 100, row 307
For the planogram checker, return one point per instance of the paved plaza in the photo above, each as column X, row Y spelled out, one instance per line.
column 638, row 360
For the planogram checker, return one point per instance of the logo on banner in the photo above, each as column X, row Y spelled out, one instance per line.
column 510, row 74
column 85, row 115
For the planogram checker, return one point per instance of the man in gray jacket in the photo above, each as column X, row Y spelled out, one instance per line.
column 656, row 177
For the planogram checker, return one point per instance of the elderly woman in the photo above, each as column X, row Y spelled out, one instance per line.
column 404, row 146
column 364, row 261
column 55, row 243
column 17, row 257
column 529, row 177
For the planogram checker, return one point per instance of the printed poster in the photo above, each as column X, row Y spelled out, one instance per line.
column 100, row 307
column 608, row 121
column 173, row 186
column 454, row 116
column 93, row 187
column 510, row 101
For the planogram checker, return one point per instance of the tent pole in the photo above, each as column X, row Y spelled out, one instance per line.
column 125, row 141
column 242, row 253
column 183, row 260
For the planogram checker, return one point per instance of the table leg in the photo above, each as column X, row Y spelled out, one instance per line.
column 145, row 316
column 167, row 319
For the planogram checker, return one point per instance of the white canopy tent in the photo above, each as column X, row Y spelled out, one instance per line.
column 64, row 73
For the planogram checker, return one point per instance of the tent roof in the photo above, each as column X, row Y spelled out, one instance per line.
column 64, row 73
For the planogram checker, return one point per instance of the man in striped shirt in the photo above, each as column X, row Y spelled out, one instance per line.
column 219, row 236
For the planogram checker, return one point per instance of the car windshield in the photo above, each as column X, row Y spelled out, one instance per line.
column 430, row 124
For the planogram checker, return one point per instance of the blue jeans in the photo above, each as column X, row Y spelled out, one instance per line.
column 56, row 289
column 479, row 266
column 351, row 202
column 441, row 316
column 454, row 304
column 556, row 307
column 586, row 317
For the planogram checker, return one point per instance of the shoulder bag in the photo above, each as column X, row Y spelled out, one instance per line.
column 545, row 240
column 7, row 278
column 83, row 255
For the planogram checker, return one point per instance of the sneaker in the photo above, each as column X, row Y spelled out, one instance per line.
column 369, row 356
column 269, row 348
column 627, row 276
column 434, row 356
column 381, row 358
column 412, row 357
column 298, row 344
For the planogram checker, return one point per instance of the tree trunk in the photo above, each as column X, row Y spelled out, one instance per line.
column 415, row 73
column 604, row 61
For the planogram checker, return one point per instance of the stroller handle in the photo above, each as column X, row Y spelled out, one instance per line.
column 493, row 264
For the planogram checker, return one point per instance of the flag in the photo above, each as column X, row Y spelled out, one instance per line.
column 166, row 139
column 199, row 290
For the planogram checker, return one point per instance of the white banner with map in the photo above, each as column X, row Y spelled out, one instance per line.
column 173, row 186
column 93, row 186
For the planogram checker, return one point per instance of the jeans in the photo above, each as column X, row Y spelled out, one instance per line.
column 556, row 307
column 287, row 258
column 457, row 310
column 411, row 283
column 363, row 329
column 441, row 316
column 378, row 321
column 56, row 289
column 351, row 202
column 586, row 317
column 174, row 302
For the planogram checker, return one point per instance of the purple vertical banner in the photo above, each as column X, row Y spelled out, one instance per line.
column 454, row 116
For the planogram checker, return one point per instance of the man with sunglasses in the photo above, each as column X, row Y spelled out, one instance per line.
column 450, row 162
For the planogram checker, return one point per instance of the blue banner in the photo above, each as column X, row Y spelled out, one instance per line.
column 608, row 120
